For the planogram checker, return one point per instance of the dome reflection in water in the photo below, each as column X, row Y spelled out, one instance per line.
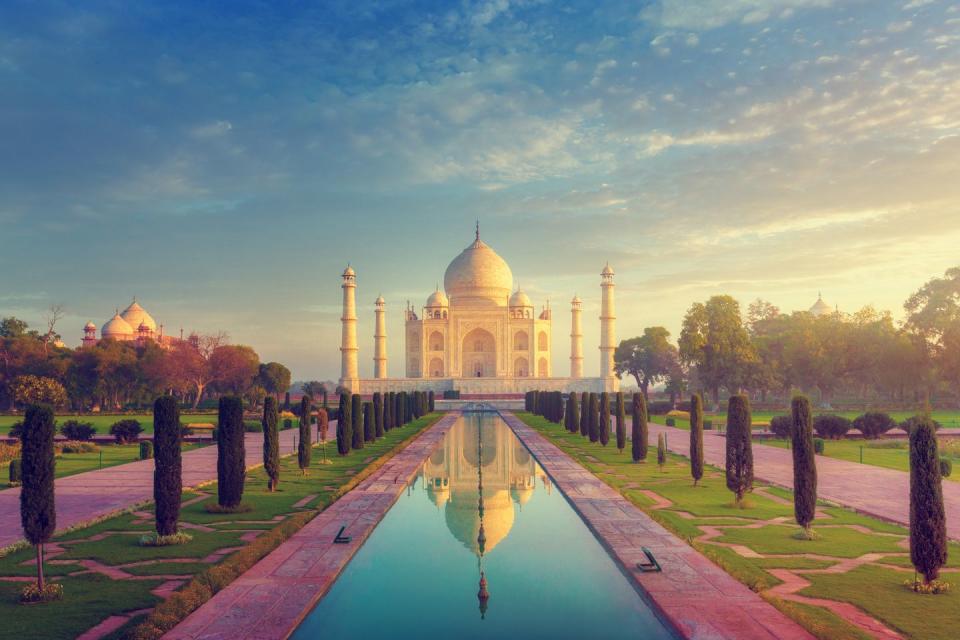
column 481, row 546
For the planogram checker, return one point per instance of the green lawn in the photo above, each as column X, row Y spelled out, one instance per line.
column 761, row 418
column 69, row 464
column 88, row 600
column 927, row 617
column 102, row 422
column 891, row 454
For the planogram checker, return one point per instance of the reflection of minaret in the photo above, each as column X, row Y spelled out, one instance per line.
column 482, row 595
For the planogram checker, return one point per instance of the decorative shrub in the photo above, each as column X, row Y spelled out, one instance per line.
column 252, row 426
column 696, row 438
column 75, row 446
column 874, row 424
column 287, row 424
column 323, row 424
column 75, row 430
column 126, row 431
column 167, row 478
column 911, row 422
column 231, row 454
column 157, row 540
column 671, row 422
column 708, row 425
column 48, row 593
column 271, row 442
column 804, row 464
column 818, row 445
column 831, row 426
column 946, row 467
column 146, row 450
column 739, row 459
column 16, row 430
column 928, row 524
column 16, row 472
column 781, row 426
column 659, row 408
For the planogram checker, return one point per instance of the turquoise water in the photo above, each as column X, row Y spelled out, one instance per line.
column 418, row 574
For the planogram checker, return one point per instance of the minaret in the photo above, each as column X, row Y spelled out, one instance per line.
column 380, row 341
column 608, row 330
column 576, row 339
column 348, row 343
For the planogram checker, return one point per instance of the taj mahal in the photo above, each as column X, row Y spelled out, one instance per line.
column 478, row 336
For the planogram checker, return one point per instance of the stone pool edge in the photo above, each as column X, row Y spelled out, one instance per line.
column 272, row 598
column 696, row 597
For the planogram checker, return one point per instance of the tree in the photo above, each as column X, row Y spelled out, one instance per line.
column 934, row 314
column 356, row 429
column 274, row 378
column 167, row 465
column 585, row 414
column 271, row 443
column 739, row 447
column 11, row 327
column 594, row 417
column 344, row 423
column 873, row 424
column 804, row 465
column 286, row 401
column 305, row 444
column 714, row 341
column 621, row 422
column 432, row 401
column 604, row 418
column 928, row 528
column 696, row 438
column 38, row 514
column 639, row 430
column 323, row 424
column 649, row 358
column 572, row 416
column 28, row 390
column 387, row 411
column 234, row 368
column 369, row 424
column 378, row 414
column 661, row 450
column 231, row 454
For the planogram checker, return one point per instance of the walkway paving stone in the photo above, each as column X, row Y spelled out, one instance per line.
column 271, row 599
column 701, row 600
column 882, row 493
column 95, row 494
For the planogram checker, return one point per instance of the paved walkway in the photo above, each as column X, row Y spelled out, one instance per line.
column 699, row 598
column 94, row 494
column 272, row 598
column 875, row 491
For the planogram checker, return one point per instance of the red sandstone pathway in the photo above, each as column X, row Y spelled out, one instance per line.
column 875, row 491
column 272, row 598
column 95, row 494
column 699, row 598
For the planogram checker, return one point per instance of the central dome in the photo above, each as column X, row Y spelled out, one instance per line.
column 478, row 274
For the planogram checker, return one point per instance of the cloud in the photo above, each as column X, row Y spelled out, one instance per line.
column 712, row 14
column 656, row 143
column 899, row 27
column 212, row 129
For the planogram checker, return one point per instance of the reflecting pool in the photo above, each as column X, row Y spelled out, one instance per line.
column 481, row 508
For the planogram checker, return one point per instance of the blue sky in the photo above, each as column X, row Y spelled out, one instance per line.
column 223, row 161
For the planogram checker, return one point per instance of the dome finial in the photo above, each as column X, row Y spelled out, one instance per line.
column 478, row 230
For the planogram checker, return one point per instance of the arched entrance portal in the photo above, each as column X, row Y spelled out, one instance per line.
column 479, row 354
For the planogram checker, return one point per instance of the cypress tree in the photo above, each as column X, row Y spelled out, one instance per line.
column 739, row 447
column 604, row 418
column 661, row 450
column 573, row 413
column 286, row 401
column 323, row 424
column 378, row 414
column 387, row 411
column 594, row 417
column 407, row 408
column 231, row 453
column 369, row 423
column 558, row 404
column 526, row 401
column 535, row 401
column 167, row 464
column 639, row 429
column 271, row 442
column 397, row 413
column 696, row 437
column 432, row 401
column 344, row 437
column 584, row 414
column 804, row 465
column 621, row 423
column 928, row 528
column 38, row 514
column 304, row 445
column 356, row 429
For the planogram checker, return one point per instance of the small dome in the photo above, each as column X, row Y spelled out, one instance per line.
column 607, row 270
column 438, row 299
column 89, row 327
column 349, row 271
column 478, row 274
column 520, row 299
column 135, row 315
column 576, row 300
column 820, row 307
column 380, row 300
column 116, row 327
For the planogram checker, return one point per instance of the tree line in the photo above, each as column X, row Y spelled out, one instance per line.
column 113, row 374
column 769, row 354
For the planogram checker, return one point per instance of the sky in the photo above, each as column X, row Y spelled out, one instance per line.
column 223, row 162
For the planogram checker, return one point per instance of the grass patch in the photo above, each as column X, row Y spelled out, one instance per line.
column 110, row 455
column 822, row 623
column 834, row 542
